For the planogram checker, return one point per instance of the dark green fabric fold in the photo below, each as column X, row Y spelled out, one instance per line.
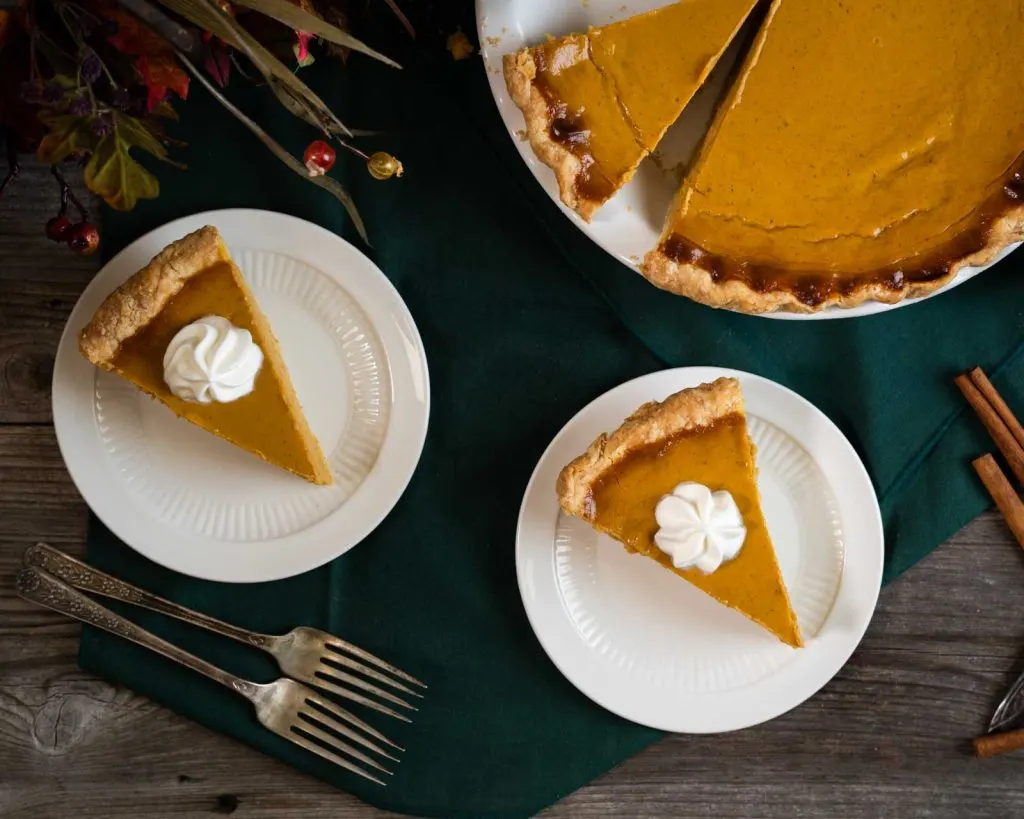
column 524, row 321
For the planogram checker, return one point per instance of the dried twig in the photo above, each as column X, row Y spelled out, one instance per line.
column 325, row 182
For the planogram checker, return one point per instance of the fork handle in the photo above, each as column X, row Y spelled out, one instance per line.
column 85, row 577
column 39, row 587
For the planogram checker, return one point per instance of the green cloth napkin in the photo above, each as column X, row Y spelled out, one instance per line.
column 524, row 322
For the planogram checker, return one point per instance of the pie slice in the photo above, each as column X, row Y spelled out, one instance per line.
column 190, row 280
column 596, row 104
column 698, row 437
column 865, row 151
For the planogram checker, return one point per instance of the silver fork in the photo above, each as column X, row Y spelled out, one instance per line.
column 304, row 653
column 286, row 707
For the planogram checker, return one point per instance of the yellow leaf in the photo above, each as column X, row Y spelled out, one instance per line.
column 135, row 134
column 460, row 46
column 68, row 134
column 112, row 174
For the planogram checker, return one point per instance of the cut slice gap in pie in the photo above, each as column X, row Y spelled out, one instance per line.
column 189, row 281
column 596, row 104
column 696, row 437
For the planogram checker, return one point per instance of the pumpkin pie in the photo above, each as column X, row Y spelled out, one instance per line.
column 699, row 437
column 865, row 151
column 191, row 280
column 596, row 104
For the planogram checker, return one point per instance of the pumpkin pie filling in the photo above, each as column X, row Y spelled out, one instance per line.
column 862, row 144
column 261, row 417
column 586, row 117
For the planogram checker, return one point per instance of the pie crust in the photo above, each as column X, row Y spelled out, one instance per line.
column 700, row 283
column 520, row 72
column 690, row 409
column 140, row 299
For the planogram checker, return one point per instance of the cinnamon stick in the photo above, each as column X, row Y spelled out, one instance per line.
column 997, row 428
column 1004, row 495
column 980, row 380
column 995, row 744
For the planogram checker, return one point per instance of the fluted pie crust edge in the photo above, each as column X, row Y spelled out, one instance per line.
column 689, row 409
column 141, row 298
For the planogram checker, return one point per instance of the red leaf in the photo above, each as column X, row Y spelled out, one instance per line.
column 218, row 66
column 160, row 75
column 156, row 62
column 133, row 37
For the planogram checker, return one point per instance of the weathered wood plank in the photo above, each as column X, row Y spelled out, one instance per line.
column 39, row 284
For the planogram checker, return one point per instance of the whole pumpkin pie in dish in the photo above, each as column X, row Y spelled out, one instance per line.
column 864, row 150
column 187, row 331
column 677, row 483
column 596, row 104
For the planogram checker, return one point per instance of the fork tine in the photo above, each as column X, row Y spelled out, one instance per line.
column 349, row 694
column 310, row 725
column 340, row 646
column 313, row 714
column 366, row 671
column 342, row 715
column 334, row 673
column 294, row 736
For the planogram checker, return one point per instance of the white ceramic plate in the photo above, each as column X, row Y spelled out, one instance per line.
column 630, row 223
column 195, row 503
column 653, row 649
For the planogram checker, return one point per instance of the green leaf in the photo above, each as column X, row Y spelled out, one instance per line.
column 137, row 135
column 112, row 174
column 68, row 134
column 299, row 19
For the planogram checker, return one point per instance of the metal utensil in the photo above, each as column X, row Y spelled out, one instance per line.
column 307, row 654
column 1009, row 711
column 286, row 707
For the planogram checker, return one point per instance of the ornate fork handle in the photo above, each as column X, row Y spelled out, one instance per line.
column 85, row 577
column 36, row 585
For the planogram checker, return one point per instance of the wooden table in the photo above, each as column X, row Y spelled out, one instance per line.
column 888, row 737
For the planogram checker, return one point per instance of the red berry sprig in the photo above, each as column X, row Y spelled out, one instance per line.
column 81, row 236
column 319, row 157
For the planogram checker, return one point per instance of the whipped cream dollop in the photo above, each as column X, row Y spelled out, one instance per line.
column 212, row 360
column 698, row 527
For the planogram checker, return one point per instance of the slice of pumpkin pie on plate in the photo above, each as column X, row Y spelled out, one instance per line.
column 677, row 483
column 187, row 331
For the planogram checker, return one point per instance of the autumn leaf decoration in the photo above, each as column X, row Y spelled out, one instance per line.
column 155, row 58
column 96, row 80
